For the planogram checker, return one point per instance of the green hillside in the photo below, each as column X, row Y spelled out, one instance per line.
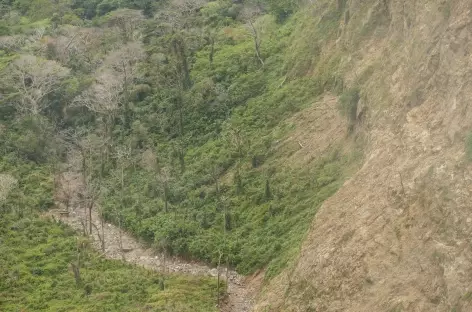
column 37, row 255
column 182, row 112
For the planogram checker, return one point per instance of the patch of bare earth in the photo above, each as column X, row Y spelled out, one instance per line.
column 397, row 235
column 316, row 131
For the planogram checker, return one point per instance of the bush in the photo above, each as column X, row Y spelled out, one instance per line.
column 35, row 276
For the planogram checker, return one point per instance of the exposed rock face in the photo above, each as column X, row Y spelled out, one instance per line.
column 397, row 236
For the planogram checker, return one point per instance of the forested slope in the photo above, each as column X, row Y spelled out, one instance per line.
column 215, row 131
column 212, row 131
column 180, row 110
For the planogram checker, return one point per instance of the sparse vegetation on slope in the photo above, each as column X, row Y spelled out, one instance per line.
column 393, row 237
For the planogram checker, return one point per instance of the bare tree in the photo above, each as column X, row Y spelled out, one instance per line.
column 86, row 149
column 63, row 191
column 220, row 255
column 237, row 143
column 175, row 16
column 7, row 184
column 123, row 64
column 164, row 178
column 110, row 92
column 249, row 15
column 101, row 232
column 92, row 148
column 12, row 43
column 75, row 266
column 32, row 79
column 128, row 22
column 78, row 44
column 162, row 174
column 123, row 156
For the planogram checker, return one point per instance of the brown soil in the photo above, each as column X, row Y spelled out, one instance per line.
column 316, row 131
column 396, row 236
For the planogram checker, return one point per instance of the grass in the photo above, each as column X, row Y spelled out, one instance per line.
column 36, row 256
column 35, row 275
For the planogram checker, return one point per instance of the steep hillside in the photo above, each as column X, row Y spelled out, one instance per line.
column 396, row 236
column 215, row 131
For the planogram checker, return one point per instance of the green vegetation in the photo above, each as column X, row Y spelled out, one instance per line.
column 36, row 275
column 37, row 255
column 178, row 117
column 215, row 142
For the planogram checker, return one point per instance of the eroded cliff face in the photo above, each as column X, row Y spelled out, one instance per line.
column 397, row 236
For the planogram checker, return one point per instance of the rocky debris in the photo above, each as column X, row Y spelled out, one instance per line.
column 239, row 298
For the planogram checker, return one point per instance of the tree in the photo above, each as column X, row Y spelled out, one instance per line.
column 226, row 228
column 237, row 143
column 123, row 156
column 7, row 184
column 84, row 148
column 164, row 178
column 267, row 192
column 31, row 80
column 110, row 92
column 163, row 244
column 162, row 174
column 76, row 47
column 75, row 266
column 178, row 15
column 128, row 22
column 249, row 15
column 123, row 65
column 220, row 254
column 177, row 38
column 65, row 194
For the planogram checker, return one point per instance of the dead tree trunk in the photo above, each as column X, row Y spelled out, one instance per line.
column 257, row 42
column 101, row 238
column 103, row 232
column 76, row 271
column 218, row 279
column 166, row 196
column 119, row 214
column 76, row 266
column 90, row 216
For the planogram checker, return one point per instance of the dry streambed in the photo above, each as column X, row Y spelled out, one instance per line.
column 121, row 245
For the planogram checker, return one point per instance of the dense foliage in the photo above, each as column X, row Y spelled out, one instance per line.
column 36, row 255
column 36, row 275
column 178, row 108
column 211, row 122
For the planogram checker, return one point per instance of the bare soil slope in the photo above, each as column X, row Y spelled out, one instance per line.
column 397, row 236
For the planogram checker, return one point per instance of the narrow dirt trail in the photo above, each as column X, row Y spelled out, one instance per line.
column 70, row 184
